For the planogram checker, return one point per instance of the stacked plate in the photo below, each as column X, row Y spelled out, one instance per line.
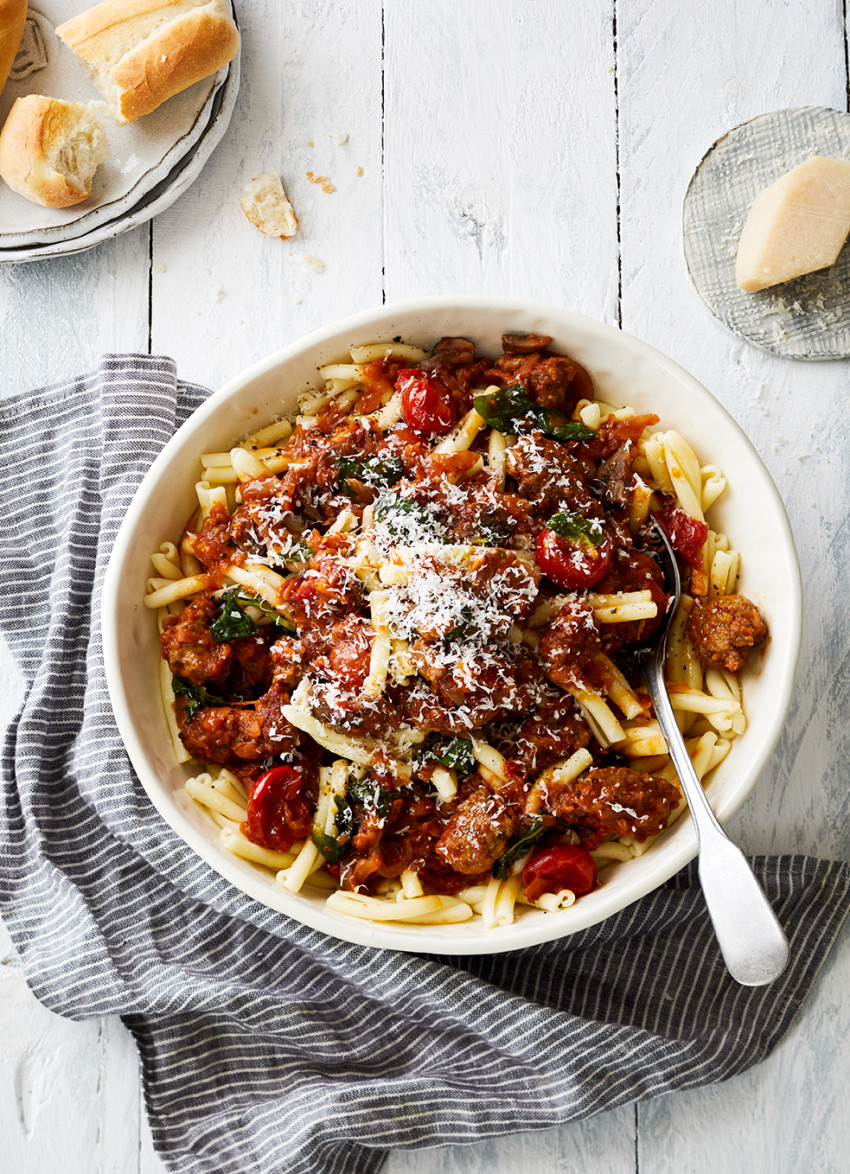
column 153, row 160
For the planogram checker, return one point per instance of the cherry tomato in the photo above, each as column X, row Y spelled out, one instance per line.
column 278, row 814
column 557, row 867
column 572, row 563
column 426, row 403
column 687, row 535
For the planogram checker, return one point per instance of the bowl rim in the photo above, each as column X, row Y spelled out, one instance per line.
column 421, row 939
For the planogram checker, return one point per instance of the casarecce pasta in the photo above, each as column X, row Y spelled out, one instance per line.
column 397, row 634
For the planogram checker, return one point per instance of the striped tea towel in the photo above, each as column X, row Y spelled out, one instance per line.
column 266, row 1045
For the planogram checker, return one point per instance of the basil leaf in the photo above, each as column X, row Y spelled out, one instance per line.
column 458, row 756
column 329, row 846
column 376, row 472
column 299, row 553
column 461, row 628
column 246, row 599
column 372, row 796
column 519, row 848
column 507, row 408
column 233, row 621
column 406, row 520
column 344, row 817
column 576, row 528
column 197, row 696
column 511, row 409
column 561, row 427
column 332, row 846
column 493, row 532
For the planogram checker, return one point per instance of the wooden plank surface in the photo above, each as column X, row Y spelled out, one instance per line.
column 58, row 316
column 508, row 149
column 225, row 296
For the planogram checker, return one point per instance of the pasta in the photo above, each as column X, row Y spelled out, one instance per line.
column 398, row 635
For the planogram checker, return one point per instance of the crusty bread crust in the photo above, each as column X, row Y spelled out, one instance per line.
column 13, row 19
column 267, row 206
column 142, row 52
column 36, row 130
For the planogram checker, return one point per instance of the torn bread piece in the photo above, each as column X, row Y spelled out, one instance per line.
column 139, row 53
column 266, row 205
column 50, row 150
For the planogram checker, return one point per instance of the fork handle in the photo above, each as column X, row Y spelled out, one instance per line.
column 751, row 940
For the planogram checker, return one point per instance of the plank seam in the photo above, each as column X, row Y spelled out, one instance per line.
column 383, row 160
column 617, row 158
column 846, row 60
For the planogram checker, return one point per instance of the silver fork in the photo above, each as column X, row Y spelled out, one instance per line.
column 751, row 939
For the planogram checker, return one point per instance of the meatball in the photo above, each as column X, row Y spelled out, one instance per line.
column 612, row 801
column 230, row 734
column 347, row 656
column 478, row 833
column 555, row 731
column 723, row 631
column 190, row 649
column 550, row 476
column 570, row 643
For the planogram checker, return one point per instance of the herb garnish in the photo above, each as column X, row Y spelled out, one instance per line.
column 299, row 553
column 398, row 513
column 577, row 528
column 512, row 410
column 197, row 696
column 492, row 532
column 458, row 755
column 233, row 621
column 455, row 754
column 233, row 600
column 376, row 472
column 519, row 848
column 461, row 628
column 371, row 796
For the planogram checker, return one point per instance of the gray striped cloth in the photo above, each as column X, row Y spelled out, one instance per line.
column 265, row 1045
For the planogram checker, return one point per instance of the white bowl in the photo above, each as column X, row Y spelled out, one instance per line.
column 625, row 371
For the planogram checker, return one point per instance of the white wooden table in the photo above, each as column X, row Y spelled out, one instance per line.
column 524, row 148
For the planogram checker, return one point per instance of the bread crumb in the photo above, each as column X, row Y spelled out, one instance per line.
column 324, row 180
column 314, row 263
column 160, row 268
column 218, row 293
column 267, row 206
column 340, row 139
column 309, row 142
column 359, row 171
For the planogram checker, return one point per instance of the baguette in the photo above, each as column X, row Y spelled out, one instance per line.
column 139, row 53
column 50, row 150
column 13, row 18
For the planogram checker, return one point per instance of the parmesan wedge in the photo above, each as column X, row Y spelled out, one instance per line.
column 796, row 225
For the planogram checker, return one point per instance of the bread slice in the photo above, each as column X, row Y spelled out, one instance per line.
column 265, row 204
column 50, row 150
column 139, row 53
column 13, row 19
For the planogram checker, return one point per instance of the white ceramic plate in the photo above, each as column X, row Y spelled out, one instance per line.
column 625, row 371
column 152, row 159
